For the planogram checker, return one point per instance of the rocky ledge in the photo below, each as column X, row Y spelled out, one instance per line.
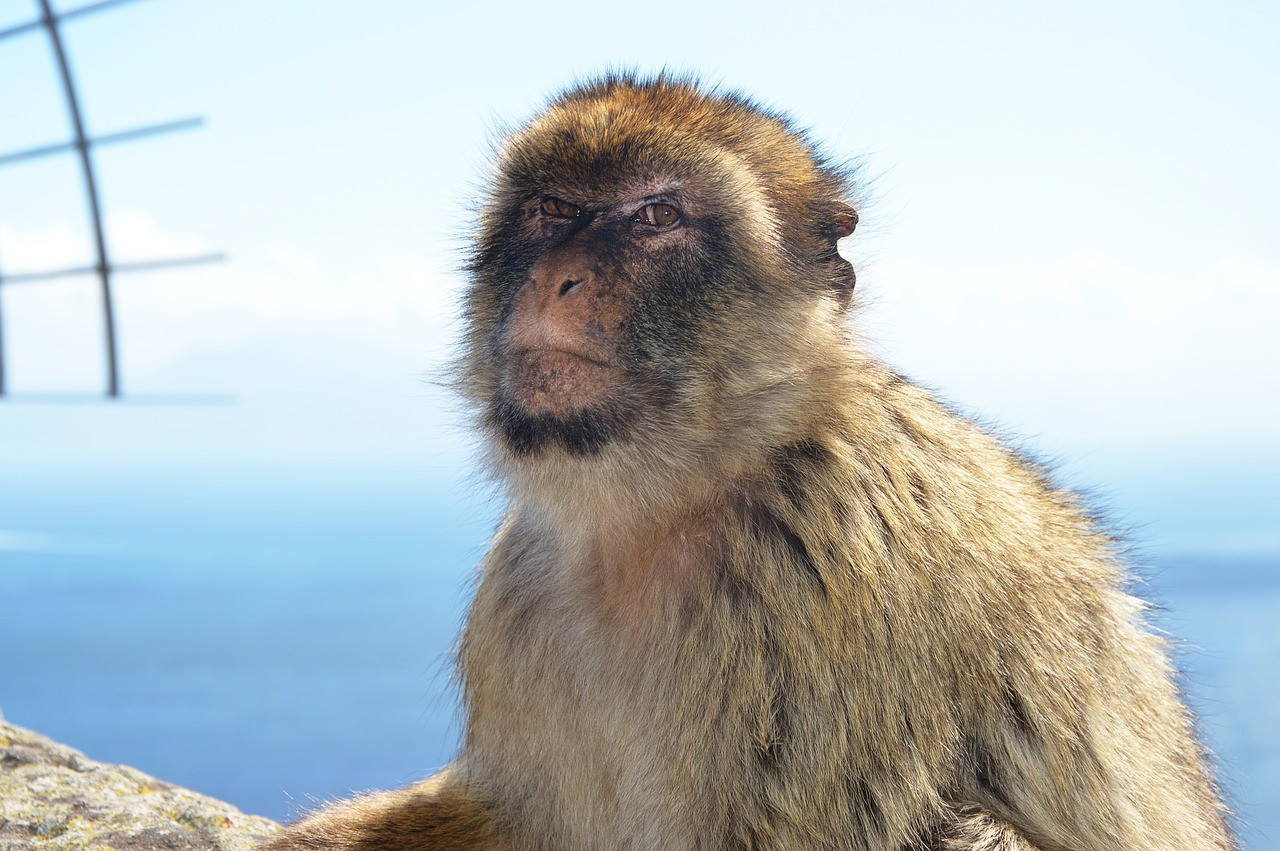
column 54, row 798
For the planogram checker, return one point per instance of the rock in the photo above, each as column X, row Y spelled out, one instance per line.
column 54, row 798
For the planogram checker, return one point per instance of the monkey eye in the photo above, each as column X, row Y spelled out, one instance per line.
column 560, row 209
column 657, row 215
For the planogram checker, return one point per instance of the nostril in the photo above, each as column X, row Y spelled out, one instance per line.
column 569, row 286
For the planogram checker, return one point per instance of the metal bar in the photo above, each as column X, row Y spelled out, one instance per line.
column 139, row 266
column 149, row 265
column 157, row 398
column 108, row 139
column 91, row 8
column 74, row 13
column 27, row 277
column 32, row 153
column 150, row 130
column 91, row 190
column 20, row 29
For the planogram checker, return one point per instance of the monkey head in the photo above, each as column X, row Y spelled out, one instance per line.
column 638, row 241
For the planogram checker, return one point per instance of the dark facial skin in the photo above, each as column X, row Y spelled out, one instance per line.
column 578, row 335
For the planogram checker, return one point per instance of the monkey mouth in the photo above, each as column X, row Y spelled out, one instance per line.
column 560, row 383
column 551, row 397
column 562, row 353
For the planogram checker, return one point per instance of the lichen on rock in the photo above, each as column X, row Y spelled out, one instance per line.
column 54, row 798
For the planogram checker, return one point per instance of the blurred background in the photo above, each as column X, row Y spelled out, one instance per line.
column 244, row 575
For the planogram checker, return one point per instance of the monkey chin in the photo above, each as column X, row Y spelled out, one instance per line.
column 557, row 398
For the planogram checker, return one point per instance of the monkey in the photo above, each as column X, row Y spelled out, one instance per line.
column 753, row 588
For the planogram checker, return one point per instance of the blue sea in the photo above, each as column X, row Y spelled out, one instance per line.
column 279, row 634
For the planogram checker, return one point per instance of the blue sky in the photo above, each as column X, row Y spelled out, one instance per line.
column 1069, row 225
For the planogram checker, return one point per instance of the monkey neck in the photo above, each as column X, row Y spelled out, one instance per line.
column 632, row 578
column 618, row 504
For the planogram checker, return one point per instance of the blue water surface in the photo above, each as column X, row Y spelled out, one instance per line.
column 278, row 634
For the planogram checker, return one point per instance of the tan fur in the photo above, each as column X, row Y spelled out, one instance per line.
column 798, row 605
column 436, row 814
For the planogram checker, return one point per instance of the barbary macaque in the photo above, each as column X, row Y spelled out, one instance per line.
column 753, row 589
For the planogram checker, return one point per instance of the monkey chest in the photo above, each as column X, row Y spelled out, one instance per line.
column 569, row 724
column 670, row 738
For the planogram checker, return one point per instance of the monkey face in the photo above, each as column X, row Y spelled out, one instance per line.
column 576, row 342
column 636, row 240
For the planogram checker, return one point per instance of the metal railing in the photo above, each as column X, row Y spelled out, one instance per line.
column 82, row 144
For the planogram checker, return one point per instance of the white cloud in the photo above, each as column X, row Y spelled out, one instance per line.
column 1086, row 287
column 1088, row 340
column 398, row 304
column 133, row 237
column 57, row 246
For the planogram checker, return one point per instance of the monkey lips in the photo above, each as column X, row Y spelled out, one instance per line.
column 559, row 383
column 551, row 397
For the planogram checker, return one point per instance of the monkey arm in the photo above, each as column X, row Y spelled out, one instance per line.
column 440, row 814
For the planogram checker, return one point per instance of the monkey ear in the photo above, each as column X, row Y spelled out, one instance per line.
column 841, row 219
column 836, row 221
